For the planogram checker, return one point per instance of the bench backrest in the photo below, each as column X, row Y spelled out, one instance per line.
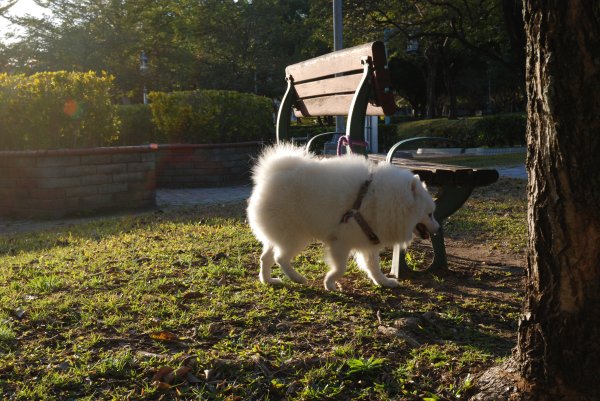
column 353, row 82
column 325, row 85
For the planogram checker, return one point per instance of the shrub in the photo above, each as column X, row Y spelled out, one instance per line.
column 57, row 110
column 493, row 131
column 137, row 127
column 500, row 130
column 212, row 116
column 387, row 136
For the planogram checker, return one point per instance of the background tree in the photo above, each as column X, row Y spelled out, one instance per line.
column 239, row 45
column 413, row 89
column 5, row 5
column 249, row 52
column 480, row 34
column 467, row 54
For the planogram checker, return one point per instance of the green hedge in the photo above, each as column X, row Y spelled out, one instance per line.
column 57, row 110
column 488, row 131
column 500, row 130
column 137, row 127
column 212, row 116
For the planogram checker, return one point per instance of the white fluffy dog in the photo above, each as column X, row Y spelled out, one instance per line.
column 298, row 198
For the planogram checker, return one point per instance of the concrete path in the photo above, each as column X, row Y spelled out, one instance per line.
column 173, row 198
column 168, row 198
column 519, row 172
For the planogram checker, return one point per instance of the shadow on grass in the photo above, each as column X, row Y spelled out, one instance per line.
column 56, row 234
column 445, row 311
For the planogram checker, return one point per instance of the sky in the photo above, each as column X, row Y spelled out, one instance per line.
column 22, row 7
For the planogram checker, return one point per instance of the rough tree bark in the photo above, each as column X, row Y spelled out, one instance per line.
column 558, row 349
column 559, row 335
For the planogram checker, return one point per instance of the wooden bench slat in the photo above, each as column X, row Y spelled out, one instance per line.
column 439, row 175
column 330, row 86
column 339, row 62
column 335, row 105
column 339, row 73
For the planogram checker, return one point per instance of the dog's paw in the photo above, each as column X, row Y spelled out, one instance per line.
column 271, row 280
column 299, row 279
column 330, row 285
column 390, row 283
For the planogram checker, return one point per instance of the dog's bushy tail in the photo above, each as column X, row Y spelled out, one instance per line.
column 277, row 158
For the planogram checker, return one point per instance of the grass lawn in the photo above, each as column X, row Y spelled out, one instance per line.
column 167, row 305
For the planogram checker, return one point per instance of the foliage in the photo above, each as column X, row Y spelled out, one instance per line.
column 500, row 130
column 492, row 131
column 250, row 51
column 137, row 127
column 57, row 110
column 233, row 45
column 469, row 56
column 459, row 60
column 212, row 116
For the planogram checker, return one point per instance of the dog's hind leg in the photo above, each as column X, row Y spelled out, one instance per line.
column 284, row 260
column 369, row 262
column 267, row 260
column 337, row 257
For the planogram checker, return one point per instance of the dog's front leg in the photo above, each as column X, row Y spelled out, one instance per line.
column 267, row 259
column 337, row 257
column 369, row 262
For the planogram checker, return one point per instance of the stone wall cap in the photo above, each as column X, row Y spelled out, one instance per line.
column 80, row 151
column 171, row 146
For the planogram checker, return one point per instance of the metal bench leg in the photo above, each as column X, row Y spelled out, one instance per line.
column 439, row 264
column 285, row 112
column 449, row 200
column 440, row 260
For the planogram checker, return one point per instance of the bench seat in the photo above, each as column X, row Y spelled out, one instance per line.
column 437, row 175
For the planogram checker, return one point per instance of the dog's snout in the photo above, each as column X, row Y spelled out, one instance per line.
column 433, row 225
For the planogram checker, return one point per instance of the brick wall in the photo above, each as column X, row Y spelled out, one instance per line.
column 208, row 165
column 56, row 183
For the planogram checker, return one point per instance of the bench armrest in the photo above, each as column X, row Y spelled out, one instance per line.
column 416, row 140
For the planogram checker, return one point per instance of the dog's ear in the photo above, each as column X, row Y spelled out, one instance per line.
column 414, row 184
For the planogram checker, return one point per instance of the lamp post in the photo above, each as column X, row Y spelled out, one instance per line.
column 338, row 45
column 143, row 71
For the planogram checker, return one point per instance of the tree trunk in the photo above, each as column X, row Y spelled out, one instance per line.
column 431, row 57
column 558, row 350
column 447, row 66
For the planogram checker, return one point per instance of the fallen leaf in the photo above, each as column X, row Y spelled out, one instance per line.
column 164, row 336
column 192, row 295
column 182, row 372
column 164, row 376
column 162, row 385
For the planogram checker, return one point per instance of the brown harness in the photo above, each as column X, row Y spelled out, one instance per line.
column 354, row 212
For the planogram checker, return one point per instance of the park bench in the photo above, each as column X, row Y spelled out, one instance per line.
column 355, row 82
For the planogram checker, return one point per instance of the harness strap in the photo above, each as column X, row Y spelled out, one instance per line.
column 346, row 140
column 354, row 212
